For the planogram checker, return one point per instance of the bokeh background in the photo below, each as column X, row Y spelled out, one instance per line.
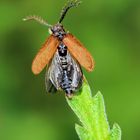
column 109, row 29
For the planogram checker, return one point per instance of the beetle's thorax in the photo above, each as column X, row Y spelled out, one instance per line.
column 58, row 31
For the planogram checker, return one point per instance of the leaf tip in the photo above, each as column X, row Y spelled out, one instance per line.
column 116, row 132
column 99, row 96
column 82, row 132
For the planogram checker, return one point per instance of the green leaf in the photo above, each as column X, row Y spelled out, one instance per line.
column 91, row 113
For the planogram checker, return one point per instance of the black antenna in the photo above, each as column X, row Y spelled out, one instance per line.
column 38, row 19
column 70, row 4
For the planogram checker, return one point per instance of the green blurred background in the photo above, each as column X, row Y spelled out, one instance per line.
column 111, row 32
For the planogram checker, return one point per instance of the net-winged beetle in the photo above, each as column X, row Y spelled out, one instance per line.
column 64, row 55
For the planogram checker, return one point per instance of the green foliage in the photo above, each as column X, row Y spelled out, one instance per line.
column 91, row 112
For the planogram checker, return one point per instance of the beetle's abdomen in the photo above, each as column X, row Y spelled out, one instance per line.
column 66, row 79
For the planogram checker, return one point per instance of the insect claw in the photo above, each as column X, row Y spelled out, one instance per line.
column 69, row 96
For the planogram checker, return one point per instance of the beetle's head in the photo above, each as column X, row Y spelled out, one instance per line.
column 58, row 31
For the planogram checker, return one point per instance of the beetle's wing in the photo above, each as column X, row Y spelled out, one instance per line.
column 74, row 72
column 45, row 54
column 54, row 74
column 50, row 88
column 79, row 52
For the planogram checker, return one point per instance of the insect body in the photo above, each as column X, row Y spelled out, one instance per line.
column 64, row 55
column 64, row 72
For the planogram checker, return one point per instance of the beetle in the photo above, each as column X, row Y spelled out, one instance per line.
column 64, row 55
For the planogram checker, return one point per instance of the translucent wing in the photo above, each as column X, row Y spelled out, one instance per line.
column 54, row 73
column 74, row 72
column 45, row 54
column 50, row 88
column 79, row 52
